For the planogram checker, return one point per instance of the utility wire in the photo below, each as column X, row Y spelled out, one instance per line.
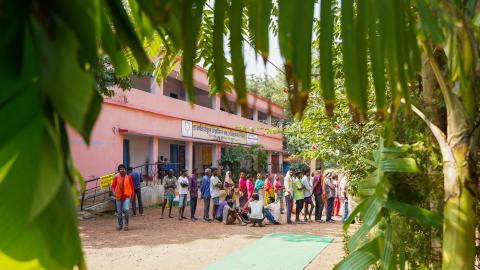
column 257, row 52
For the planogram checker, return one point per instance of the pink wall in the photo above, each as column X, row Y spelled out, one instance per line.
column 153, row 114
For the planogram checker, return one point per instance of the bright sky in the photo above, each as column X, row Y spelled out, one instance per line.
column 256, row 66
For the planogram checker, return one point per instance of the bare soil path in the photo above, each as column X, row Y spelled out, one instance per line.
column 154, row 243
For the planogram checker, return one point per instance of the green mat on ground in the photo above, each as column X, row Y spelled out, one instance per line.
column 275, row 251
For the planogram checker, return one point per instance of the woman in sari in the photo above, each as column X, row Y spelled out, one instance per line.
column 242, row 189
column 259, row 184
column 249, row 187
column 278, row 188
column 269, row 191
column 229, row 185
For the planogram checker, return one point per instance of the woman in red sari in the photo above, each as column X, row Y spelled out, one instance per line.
column 242, row 190
column 249, row 187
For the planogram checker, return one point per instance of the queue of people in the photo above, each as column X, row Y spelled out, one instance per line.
column 251, row 203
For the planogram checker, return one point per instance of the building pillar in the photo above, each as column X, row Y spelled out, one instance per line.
column 239, row 109
column 189, row 156
column 216, row 155
column 313, row 165
column 216, row 102
column 269, row 161
column 280, row 161
column 154, row 150
column 269, row 119
column 255, row 114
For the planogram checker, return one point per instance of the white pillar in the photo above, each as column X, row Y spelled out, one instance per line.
column 189, row 156
column 214, row 155
column 255, row 114
column 269, row 161
column 280, row 161
column 216, row 102
column 239, row 109
column 269, row 119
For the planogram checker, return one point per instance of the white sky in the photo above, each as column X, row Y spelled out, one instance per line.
column 256, row 66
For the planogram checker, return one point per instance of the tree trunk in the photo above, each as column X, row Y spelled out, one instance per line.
column 432, row 111
column 460, row 188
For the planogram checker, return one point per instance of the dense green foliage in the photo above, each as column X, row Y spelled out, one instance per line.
column 250, row 160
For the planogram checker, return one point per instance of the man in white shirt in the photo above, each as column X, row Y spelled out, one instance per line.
column 287, row 183
column 307, row 194
column 274, row 208
column 182, row 191
column 256, row 211
column 215, row 185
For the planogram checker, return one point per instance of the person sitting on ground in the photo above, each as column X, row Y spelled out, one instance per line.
column 256, row 215
column 273, row 208
column 219, row 211
column 231, row 214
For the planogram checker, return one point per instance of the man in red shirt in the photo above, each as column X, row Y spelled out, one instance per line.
column 317, row 193
column 122, row 186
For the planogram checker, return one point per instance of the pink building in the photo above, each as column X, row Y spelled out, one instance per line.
column 154, row 122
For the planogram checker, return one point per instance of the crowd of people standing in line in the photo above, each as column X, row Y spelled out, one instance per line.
column 250, row 202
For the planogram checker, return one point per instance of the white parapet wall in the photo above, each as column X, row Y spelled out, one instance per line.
column 151, row 195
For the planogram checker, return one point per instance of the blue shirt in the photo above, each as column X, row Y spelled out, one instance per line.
column 136, row 179
column 205, row 187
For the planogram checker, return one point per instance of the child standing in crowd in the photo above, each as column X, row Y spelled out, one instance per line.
column 278, row 188
column 123, row 187
column 169, row 186
column 307, row 193
column 242, row 190
column 256, row 211
column 259, row 184
column 215, row 185
column 193, row 190
column 205, row 194
column 298, row 191
column 182, row 191
column 269, row 191
column 249, row 187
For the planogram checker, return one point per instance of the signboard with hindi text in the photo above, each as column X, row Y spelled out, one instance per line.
column 106, row 181
column 214, row 133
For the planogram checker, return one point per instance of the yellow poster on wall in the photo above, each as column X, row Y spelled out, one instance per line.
column 106, row 181
column 206, row 155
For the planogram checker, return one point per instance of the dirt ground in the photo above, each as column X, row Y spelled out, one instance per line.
column 154, row 243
